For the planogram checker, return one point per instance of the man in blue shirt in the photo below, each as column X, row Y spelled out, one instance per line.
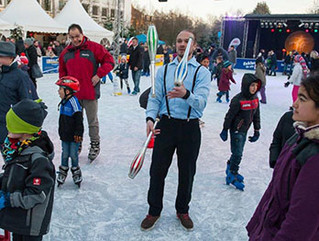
column 179, row 109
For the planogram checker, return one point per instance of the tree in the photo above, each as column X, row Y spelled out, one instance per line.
column 261, row 8
column 16, row 33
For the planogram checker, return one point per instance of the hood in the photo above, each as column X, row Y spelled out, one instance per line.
column 43, row 144
column 247, row 80
column 311, row 132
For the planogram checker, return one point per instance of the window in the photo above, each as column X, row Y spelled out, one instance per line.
column 104, row 12
column 112, row 13
column 47, row 5
column 86, row 7
column 95, row 10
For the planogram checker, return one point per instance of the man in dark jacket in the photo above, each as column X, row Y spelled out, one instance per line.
column 88, row 62
column 32, row 57
column 136, row 64
column 243, row 110
column 15, row 84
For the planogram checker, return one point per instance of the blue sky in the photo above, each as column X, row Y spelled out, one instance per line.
column 203, row 8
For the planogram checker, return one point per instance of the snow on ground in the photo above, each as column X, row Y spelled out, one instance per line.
column 111, row 206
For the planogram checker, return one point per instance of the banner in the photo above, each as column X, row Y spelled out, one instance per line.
column 50, row 65
column 249, row 64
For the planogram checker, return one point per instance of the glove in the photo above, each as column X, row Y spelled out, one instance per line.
column 254, row 137
column 287, row 84
column 77, row 138
column 4, row 200
column 223, row 135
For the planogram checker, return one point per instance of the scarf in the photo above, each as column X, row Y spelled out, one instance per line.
column 13, row 147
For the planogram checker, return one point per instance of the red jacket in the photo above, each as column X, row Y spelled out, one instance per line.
column 224, row 82
column 83, row 62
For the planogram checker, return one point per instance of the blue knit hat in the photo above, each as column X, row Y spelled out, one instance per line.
column 226, row 64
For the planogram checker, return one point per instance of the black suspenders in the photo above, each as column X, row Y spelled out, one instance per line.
column 165, row 92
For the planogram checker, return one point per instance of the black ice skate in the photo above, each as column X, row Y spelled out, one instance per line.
column 94, row 150
column 76, row 175
column 62, row 174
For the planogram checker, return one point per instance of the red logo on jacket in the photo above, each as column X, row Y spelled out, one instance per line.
column 37, row 181
column 249, row 104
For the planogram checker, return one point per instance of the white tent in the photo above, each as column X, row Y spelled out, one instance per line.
column 31, row 16
column 73, row 12
column 5, row 27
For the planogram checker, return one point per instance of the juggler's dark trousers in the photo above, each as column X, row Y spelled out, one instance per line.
column 185, row 137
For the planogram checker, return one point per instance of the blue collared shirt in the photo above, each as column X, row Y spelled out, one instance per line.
column 179, row 107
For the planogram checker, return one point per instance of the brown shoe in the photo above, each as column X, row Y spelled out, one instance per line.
column 186, row 221
column 149, row 222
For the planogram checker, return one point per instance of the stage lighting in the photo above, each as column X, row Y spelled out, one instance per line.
column 316, row 25
column 306, row 25
column 307, row 30
column 301, row 24
column 272, row 30
column 288, row 30
column 270, row 25
column 262, row 25
column 280, row 30
column 266, row 25
column 285, row 25
column 316, row 30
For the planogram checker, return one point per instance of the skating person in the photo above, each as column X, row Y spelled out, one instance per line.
column 218, row 69
column 243, row 110
column 122, row 72
column 136, row 64
column 224, row 82
column 299, row 72
column 289, row 208
column 88, row 62
column 282, row 133
column 70, row 128
column 179, row 109
column 27, row 184
column 261, row 74
column 15, row 84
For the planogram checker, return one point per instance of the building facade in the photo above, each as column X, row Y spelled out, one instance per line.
column 102, row 11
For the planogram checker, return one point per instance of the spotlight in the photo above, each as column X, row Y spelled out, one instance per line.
column 301, row 24
column 285, row 25
column 262, row 25
column 288, row 30
column 266, row 24
column 306, row 25
column 316, row 25
column 316, row 30
column 307, row 30
column 272, row 30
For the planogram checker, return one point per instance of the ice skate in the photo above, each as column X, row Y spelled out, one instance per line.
column 94, row 150
column 240, row 177
column 76, row 175
column 62, row 174
column 233, row 179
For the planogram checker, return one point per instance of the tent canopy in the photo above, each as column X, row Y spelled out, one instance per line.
column 73, row 12
column 31, row 16
column 143, row 38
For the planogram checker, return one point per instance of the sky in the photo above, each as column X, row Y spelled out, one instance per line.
column 203, row 8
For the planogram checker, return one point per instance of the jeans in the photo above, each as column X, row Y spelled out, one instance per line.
column 237, row 143
column 262, row 92
column 70, row 149
column 221, row 93
column 136, row 75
